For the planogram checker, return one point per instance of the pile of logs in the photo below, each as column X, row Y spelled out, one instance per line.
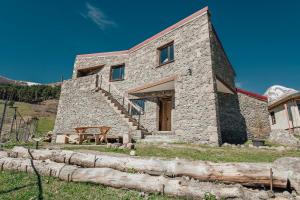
column 171, row 177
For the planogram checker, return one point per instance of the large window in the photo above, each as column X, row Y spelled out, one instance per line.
column 166, row 53
column 117, row 72
column 273, row 118
column 138, row 102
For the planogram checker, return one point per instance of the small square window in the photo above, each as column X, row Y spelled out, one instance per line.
column 138, row 102
column 166, row 53
column 117, row 72
column 273, row 118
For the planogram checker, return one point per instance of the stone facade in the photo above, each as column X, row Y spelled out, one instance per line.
column 79, row 106
column 232, row 122
column 197, row 108
column 256, row 115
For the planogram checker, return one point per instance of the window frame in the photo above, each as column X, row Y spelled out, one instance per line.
column 159, row 49
column 273, row 117
column 111, row 72
column 133, row 110
column 89, row 71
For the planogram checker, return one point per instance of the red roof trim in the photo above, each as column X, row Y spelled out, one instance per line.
column 170, row 28
column 251, row 94
column 104, row 53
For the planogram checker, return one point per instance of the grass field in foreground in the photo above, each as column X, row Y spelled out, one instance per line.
column 22, row 186
column 194, row 152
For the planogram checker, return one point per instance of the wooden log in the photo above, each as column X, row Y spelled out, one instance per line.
column 248, row 174
column 155, row 184
column 117, row 179
column 3, row 154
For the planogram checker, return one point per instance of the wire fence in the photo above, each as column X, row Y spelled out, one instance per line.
column 13, row 126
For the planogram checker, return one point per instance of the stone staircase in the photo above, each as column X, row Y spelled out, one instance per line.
column 137, row 130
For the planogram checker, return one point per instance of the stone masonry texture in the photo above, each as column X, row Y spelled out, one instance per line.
column 256, row 115
column 232, row 122
column 78, row 106
column 198, row 110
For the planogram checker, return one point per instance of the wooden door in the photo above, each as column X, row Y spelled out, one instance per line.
column 165, row 111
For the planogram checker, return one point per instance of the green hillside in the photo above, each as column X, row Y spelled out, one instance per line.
column 44, row 111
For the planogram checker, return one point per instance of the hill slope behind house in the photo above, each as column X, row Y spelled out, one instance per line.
column 5, row 80
column 44, row 111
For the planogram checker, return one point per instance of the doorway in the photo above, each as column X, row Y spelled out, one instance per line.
column 165, row 113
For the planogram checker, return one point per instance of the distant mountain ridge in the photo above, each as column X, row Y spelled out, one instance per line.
column 4, row 80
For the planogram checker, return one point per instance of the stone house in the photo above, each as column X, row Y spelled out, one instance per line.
column 178, row 83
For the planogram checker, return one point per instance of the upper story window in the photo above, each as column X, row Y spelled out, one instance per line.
column 273, row 118
column 166, row 53
column 117, row 72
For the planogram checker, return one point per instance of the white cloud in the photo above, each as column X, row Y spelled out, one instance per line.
column 97, row 16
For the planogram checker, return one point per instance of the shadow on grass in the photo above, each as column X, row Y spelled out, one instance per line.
column 15, row 189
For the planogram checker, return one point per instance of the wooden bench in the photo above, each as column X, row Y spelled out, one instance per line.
column 81, row 132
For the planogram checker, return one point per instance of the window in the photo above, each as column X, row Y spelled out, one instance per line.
column 273, row 118
column 138, row 102
column 298, row 104
column 117, row 72
column 89, row 71
column 166, row 53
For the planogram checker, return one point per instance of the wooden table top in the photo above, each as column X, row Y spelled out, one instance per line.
column 86, row 127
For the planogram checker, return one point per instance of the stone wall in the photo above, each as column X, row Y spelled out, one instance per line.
column 232, row 123
column 79, row 106
column 256, row 116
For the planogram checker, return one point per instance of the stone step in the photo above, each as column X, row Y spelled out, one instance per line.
column 160, row 139
column 160, row 136
column 163, row 133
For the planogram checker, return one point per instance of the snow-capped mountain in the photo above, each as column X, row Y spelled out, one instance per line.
column 277, row 91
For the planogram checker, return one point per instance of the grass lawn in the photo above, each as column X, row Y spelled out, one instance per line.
column 197, row 152
column 45, row 125
column 22, row 186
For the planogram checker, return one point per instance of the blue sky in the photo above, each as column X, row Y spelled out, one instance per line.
column 40, row 39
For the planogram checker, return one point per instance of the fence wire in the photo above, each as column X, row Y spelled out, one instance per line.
column 13, row 126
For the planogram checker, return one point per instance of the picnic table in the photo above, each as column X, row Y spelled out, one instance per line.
column 81, row 132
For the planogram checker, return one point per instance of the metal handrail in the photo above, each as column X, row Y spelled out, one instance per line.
column 112, row 86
